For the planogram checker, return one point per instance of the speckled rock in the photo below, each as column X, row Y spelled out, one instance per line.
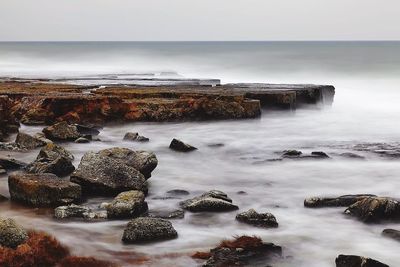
column 357, row 261
column 211, row 201
column 62, row 131
column 167, row 214
column 78, row 211
column 42, row 189
column 180, row 146
column 342, row 201
column 129, row 204
column 265, row 220
column 28, row 142
column 11, row 234
column 375, row 209
column 145, row 229
column 130, row 136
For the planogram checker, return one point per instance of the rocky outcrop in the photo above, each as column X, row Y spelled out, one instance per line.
column 52, row 159
column 213, row 201
column 100, row 174
column 143, row 161
column 342, row 201
column 375, row 209
column 180, row 146
column 145, row 229
column 78, row 211
column 11, row 234
column 28, row 142
column 129, row 204
column 265, row 220
column 62, row 131
column 130, row 136
column 42, row 189
column 357, row 261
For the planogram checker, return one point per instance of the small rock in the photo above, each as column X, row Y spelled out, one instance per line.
column 252, row 217
column 71, row 211
column 42, row 189
column 87, row 130
column 357, row 261
column 211, row 201
column 375, row 209
column 319, row 154
column 11, row 164
column 129, row 204
column 145, row 229
column 291, row 153
column 216, row 145
column 82, row 140
column 394, row 234
column 178, row 192
column 178, row 145
column 175, row 214
column 62, row 131
column 28, row 142
column 11, row 234
column 42, row 137
column 135, row 137
column 351, row 155
column 342, row 201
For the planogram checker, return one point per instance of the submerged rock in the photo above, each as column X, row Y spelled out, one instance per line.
column 375, row 209
column 211, row 201
column 87, row 130
column 292, row 153
column 11, row 164
column 265, row 220
column 42, row 189
column 145, row 229
column 129, row 204
column 342, row 201
column 135, row 137
column 62, row 131
column 178, row 192
column 11, row 234
column 178, row 145
column 82, row 140
column 28, row 142
column 351, row 155
column 319, row 154
column 394, row 234
column 77, row 211
column 167, row 214
column 103, row 175
column 357, row 261
column 52, row 159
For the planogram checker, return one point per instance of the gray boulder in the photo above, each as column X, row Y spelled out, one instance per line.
column 28, row 142
column 180, row 146
column 375, row 209
column 129, row 204
column 167, row 214
column 357, row 261
column 145, row 229
column 42, row 189
column 11, row 234
column 62, row 131
column 265, row 220
column 211, row 201
column 342, row 201
column 102, row 175
column 77, row 211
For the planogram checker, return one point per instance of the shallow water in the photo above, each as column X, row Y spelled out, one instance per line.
column 365, row 110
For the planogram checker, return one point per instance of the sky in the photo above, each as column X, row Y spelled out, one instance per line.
column 202, row 20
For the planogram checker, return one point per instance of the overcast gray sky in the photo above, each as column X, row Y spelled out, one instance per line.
column 135, row 20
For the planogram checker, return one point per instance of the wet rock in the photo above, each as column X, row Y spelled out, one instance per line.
column 352, row 155
column 11, row 234
column 42, row 189
column 216, row 145
column 391, row 233
column 28, row 142
column 211, row 201
column 143, row 161
column 265, row 220
column 87, row 130
column 243, row 251
column 82, row 140
column 62, row 131
column 42, row 137
column 178, row 192
column 319, row 154
column 292, row 153
column 129, row 204
column 77, row 211
column 11, row 164
column 357, row 261
column 135, row 137
column 375, row 209
column 103, row 175
column 165, row 214
column 342, row 201
column 52, row 159
column 10, row 146
column 178, row 145
column 145, row 229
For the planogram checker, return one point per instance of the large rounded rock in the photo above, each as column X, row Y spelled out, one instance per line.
column 375, row 209
column 265, row 220
column 52, row 159
column 62, row 131
column 102, row 175
column 11, row 234
column 28, row 142
column 357, row 261
column 145, row 229
column 42, row 189
column 211, row 201
column 143, row 161
column 342, row 201
column 128, row 204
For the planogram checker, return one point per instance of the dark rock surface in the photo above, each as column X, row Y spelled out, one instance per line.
column 11, row 234
column 87, row 130
column 129, row 204
column 167, row 214
column 265, row 220
column 42, row 189
column 11, row 163
column 130, row 136
column 357, row 261
column 213, row 201
column 392, row 233
column 28, row 142
column 146, row 229
column 62, row 131
column 375, row 209
column 342, row 201
column 292, row 153
column 82, row 140
column 180, row 146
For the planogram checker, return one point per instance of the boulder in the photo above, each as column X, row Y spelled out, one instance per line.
column 28, row 142
column 135, row 137
column 102, row 175
column 342, row 201
column 213, row 201
column 11, row 164
column 394, row 234
column 167, row 214
column 77, row 211
column 129, row 204
column 375, row 209
column 11, row 234
column 265, row 220
column 145, row 229
column 143, row 161
column 178, row 145
column 62, row 131
column 357, row 261
column 52, row 159
column 42, row 189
